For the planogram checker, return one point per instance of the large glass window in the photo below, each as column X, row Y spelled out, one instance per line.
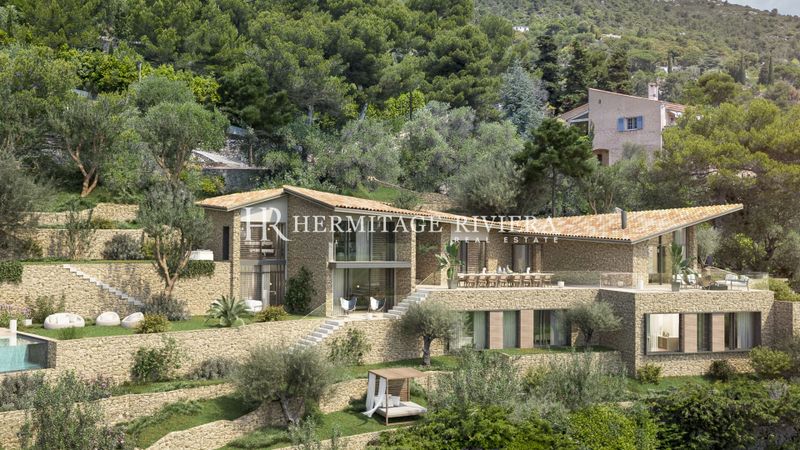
column 261, row 242
column 741, row 331
column 263, row 282
column 521, row 258
column 510, row 329
column 704, row 332
column 663, row 333
column 360, row 244
column 550, row 328
column 361, row 284
column 471, row 331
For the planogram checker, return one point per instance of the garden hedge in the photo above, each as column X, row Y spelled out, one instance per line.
column 10, row 272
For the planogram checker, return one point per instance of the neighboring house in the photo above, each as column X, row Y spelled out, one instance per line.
column 616, row 119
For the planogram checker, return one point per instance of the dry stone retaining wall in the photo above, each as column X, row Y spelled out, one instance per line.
column 53, row 241
column 105, row 211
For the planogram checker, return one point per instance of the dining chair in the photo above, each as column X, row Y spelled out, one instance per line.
column 537, row 280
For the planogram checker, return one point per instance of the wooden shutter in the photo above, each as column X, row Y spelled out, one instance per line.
column 640, row 122
column 621, row 124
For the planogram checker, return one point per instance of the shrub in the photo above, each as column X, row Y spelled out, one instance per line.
column 271, row 314
column 227, row 311
column 63, row 417
column 770, row 364
column 593, row 317
column 649, row 374
column 78, row 231
column 578, row 380
column 11, row 312
column 603, row 427
column 157, row 363
column 721, row 370
column 480, row 379
column 300, row 292
column 153, row 323
column 10, row 272
column 45, row 305
column 17, row 391
column 99, row 223
column 167, row 306
column 349, row 349
column 783, row 291
column 197, row 269
column 66, row 334
column 123, row 247
column 214, row 368
column 289, row 375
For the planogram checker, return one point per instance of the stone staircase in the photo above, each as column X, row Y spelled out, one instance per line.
column 330, row 326
column 103, row 286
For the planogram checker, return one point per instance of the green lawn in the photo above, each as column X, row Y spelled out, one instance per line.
column 58, row 198
column 665, row 384
column 162, row 386
column 348, row 423
column 194, row 323
column 145, row 431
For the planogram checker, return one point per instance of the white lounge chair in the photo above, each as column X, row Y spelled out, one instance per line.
column 253, row 306
column 63, row 320
column 376, row 305
column 107, row 319
column 132, row 320
column 347, row 305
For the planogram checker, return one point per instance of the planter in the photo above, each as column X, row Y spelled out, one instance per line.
column 676, row 286
column 452, row 284
column 28, row 322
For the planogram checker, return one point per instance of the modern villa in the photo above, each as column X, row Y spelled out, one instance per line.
column 514, row 278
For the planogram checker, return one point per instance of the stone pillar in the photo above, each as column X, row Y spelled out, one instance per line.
column 537, row 258
column 718, row 332
column 526, row 328
column 236, row 247
column 691, row 246
column 689, row 333
column 495, row 329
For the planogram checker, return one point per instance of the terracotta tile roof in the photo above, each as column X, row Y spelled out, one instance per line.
column 231, row 202
column 676, row 107
column 572, row 113
column 346, row 202
column 642, row 225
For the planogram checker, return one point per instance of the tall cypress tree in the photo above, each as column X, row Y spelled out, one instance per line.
column 619, row 77
column 548, row 63
column 576, row 78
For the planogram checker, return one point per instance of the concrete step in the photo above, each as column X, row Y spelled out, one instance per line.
column 319, row 334
column 393, row 315
column 329, row 327
column 337, row 323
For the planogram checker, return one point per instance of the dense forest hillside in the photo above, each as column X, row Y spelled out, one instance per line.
column 694, row 30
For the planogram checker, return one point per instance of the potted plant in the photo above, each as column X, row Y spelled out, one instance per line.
column 680, row 267
column 448, row 259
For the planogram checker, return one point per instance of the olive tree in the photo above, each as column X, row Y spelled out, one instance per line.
column 429, row 321
column 17, row 195
column 169, row 216
column 289, row 375
column 594, row 317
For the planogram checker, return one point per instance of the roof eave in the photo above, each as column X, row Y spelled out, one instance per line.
column 738, row 207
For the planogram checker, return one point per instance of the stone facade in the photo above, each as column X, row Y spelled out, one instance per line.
column 310, row 250
column 118, row 409
column 53, row 242
column 508, row 299
column 138, row 279
column 105, row 211
column 112, row 356
column 633, row 306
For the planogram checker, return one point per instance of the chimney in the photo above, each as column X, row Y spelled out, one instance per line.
column 623, row 218
column 652, row 91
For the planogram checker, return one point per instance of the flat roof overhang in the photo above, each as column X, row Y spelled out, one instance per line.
column 370, row 264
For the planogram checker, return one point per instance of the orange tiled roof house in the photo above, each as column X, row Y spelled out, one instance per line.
column 510, row 272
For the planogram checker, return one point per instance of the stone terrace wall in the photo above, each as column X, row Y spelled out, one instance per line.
column 106, row 211
column 142, row 280
column 112, row 356
column 80, row 296
column 466, row 299
column 54, row 241
column 787, row 320
column 119, row 409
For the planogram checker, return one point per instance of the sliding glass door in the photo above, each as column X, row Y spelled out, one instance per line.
column 263, row 282
column 361, row 284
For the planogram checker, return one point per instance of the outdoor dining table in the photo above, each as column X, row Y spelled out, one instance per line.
column 507, row 279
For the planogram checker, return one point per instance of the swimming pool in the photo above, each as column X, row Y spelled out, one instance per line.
column 28, row 354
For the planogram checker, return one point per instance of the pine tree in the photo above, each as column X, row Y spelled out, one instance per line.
column 576, row 77
column 548, row 64
column 619, row 77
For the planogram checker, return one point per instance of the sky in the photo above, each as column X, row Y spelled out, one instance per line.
column 791, row 7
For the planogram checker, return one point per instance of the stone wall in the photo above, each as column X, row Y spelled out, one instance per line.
column 787, row 320
column 310, row 250
column 80, row 296
column 138, row 279
column 142, row 280
column 119, row 409
column 388, row 342
column 112, row 356
column 490, row 299
column 53, row 242
column 105, row 211
column 577, row 256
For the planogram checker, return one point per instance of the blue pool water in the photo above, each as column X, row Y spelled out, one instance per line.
column 28, row 354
